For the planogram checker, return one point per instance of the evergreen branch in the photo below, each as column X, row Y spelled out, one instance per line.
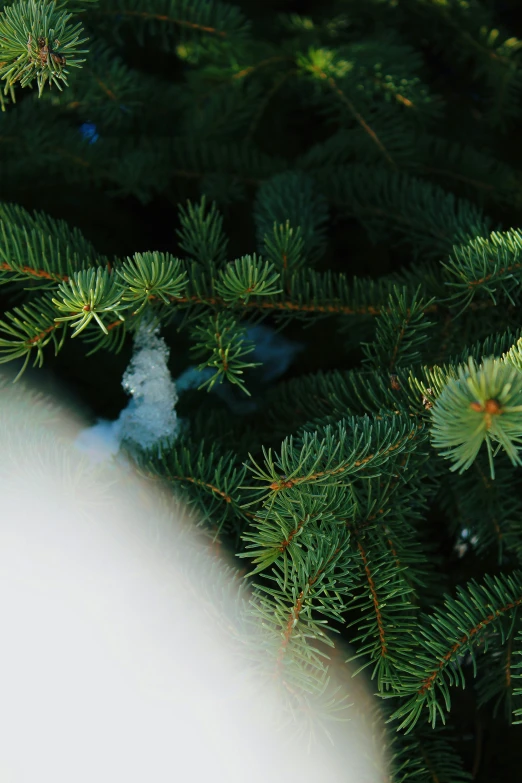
column 335, row 394
column 303, row 287
column 516, row 676
column 75, row 6
column 454, row 162
column 317, row 575
column 349, row 146
column 30, row 328
column 112, row 341
column 151, row 276
column 240, row 161
column 86, row 295
column 397, row 204
column 106, row 92
column 248, row 70
column 225, row 112
column 292, row 197
column 247, row 277
column 483, row 404
column 502, row 345
column 426, row 755
column 169, row 18
column 206, row 477
column 485, row 266
column 443, row 644
column 465, row 23
column 489, row 511
column 388, row 515
column 443, row 764
column 401, row 329
column 39, row 249
column 141, row 166
column 201, row 234
column 302, row 668
column 375, row 601
column 30, row 271
column 388, row 616
column 223, row 342
column 37, row 42
column 495, row 685
column 337, row 523
column 332, row 454
column 287, row 607
column 387, row 69
column 284, row 247
column 289, row 526
column 236, row 435
column 308, row 295
column 321, row 63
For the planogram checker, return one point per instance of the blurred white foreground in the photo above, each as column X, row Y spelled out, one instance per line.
column 117, row 664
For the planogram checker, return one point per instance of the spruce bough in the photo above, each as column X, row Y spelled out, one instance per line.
column 342, row 488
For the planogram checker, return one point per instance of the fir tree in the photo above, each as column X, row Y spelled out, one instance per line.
column 350, row 176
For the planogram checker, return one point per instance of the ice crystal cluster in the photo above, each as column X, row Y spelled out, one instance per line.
column 150, row 417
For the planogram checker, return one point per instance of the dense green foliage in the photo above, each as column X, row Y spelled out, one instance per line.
column 351, row 176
